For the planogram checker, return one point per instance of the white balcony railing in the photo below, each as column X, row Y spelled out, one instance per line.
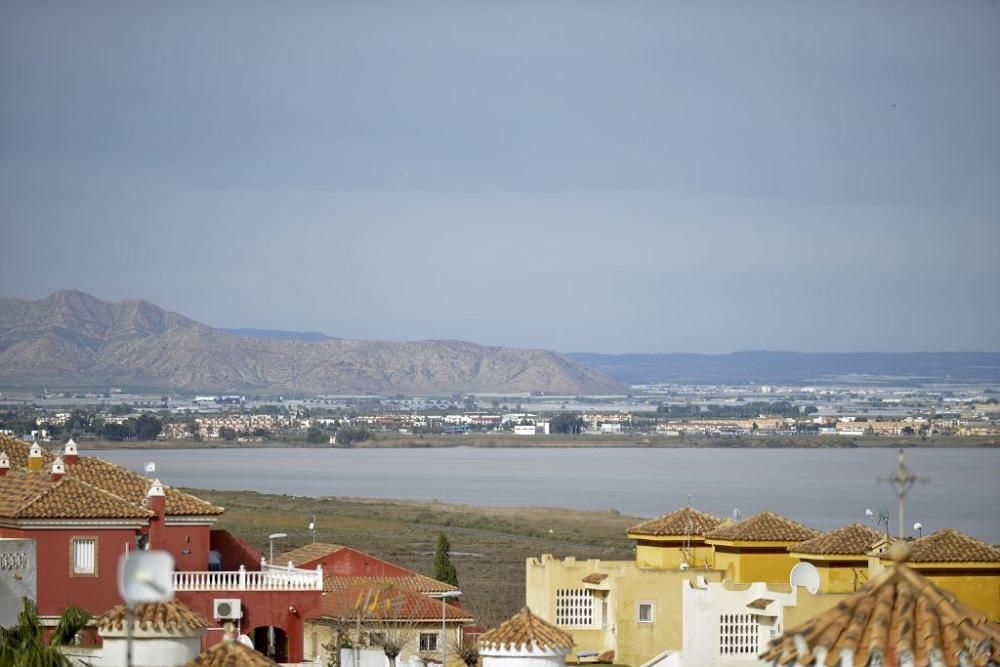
column 269, row 578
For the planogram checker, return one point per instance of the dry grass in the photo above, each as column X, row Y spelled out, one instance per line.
column 489, row 544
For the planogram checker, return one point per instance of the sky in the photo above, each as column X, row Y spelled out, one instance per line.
column 579, row 176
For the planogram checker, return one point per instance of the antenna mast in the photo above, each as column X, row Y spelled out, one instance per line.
column 903, row 479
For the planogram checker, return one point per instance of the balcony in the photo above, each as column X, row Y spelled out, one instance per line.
column 269, row 578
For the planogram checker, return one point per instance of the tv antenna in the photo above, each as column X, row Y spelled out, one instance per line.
column 903, row 479
column 143, row 577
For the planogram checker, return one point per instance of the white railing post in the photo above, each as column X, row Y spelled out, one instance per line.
column 242, row 579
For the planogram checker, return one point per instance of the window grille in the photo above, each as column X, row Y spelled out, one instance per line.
column 739, row 634
column 574, row 607
column 428, row 641
column 84, row 555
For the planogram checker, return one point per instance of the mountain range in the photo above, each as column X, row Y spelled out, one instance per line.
column 72, row 339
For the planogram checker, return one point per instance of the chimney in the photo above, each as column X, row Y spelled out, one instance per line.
column 35, row 460
column 70, row 453
column 157, row 502
column 58, row 469
column 4, row 463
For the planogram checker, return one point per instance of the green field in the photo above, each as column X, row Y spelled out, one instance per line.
column 489, row 544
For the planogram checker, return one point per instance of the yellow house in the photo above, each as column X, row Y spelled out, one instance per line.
column 961, row 565
column 840, row 557
column 625, row 611
column 674, row 538
column 756, row 549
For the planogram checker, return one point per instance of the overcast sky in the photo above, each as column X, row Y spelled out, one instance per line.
column 599, row 176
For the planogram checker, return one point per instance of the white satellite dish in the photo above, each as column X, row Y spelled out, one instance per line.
column 146, row 576
column 150, row 467
column 737, row 514
column 245, row 640
column 805, row 574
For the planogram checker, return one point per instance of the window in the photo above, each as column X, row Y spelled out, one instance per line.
column 646, row 612
column 574, row 607
column 428, row 641
column 83, row 556
column 376, row 639
column 739, row 634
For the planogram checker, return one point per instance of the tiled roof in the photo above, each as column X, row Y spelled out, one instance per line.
column 595, row 578
column 34, row 495
column 387, row 603
column 114, row 479
column 229, row 653
column 170, row 617
column 760, row 603
column 898, row 618
column 18, row 451
column 951, row 546
column 763, row 527
column 525, row 631
column 306, row 554
column 853, row 540
column 134, row 486
column 414, row 582
column 685, row 521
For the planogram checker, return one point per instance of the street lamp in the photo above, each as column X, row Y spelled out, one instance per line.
column 444, row 643
column 270, row 540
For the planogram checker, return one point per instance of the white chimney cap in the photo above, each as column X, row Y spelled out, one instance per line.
column 4, row 460
column 155, row 489
column 58, row 468
column 70, row 447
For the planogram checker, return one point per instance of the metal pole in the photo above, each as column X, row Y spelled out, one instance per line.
column 129, row 622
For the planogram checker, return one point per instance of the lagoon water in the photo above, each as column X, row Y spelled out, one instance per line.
column 824, row 488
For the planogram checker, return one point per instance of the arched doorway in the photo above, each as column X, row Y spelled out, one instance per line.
column 261, row 642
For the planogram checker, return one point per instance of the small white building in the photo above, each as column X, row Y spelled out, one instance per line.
column 165, row 634
column 525, row 640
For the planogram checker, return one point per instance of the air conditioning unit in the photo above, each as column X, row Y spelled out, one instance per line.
column 227, row 609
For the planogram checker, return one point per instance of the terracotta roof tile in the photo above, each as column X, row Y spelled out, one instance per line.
column 34, row 495
column 525, row 631
column 760, row 603
column 133, row 486
column 951, row 546
column 229, row 653
column 170, row 617
column 414, row 582
column 113, row 479
column 595, row 578
column 763, row 527
column 898, row 618
column 685, row 521
column 853, row 540
column 606, row 658
column 307, row 553
column 387, row 602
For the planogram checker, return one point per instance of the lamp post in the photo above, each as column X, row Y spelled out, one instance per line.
column 270, row 559
column 444, row 643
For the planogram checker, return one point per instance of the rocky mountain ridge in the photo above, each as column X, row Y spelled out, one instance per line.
column 73, row 339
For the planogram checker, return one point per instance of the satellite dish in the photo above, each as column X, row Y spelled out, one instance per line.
column 245, row 640
column 146, row 576
column 869, row 513
column 150, row 467
column 737, row 514
column 918, row 526
column 684, row 566
column 312, row 525
column 805, row 574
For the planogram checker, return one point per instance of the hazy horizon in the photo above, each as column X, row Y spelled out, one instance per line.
column 576, row 176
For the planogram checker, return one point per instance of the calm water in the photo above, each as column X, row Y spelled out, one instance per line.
column 823, row 488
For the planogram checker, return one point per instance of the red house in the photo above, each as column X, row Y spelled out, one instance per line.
column 83, row 513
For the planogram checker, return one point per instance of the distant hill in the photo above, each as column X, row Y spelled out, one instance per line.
column 73, row 339
column 274, row 334
column 904, row 368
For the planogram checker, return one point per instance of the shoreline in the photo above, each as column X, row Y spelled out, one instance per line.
column 395, row 441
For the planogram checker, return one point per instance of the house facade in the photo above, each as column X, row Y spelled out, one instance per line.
column 82, row 514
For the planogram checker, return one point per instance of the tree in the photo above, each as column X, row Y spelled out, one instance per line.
column 443, row 569
column 316, row 436
column 21, row 644
column 227, row 434
column 566, row 422
column 147, row 427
